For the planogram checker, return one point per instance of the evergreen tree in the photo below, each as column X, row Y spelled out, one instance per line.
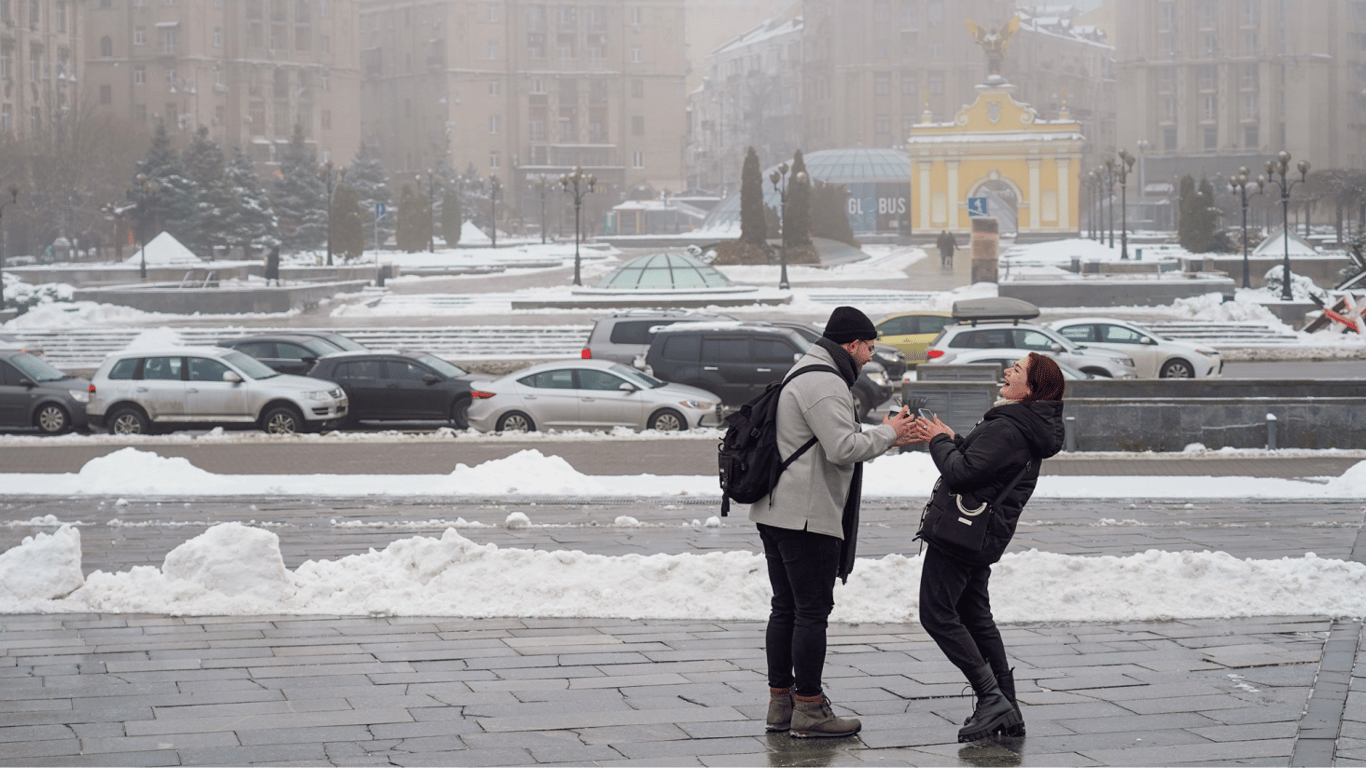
column 1199, row 218
column 452, row 218
column 753, row 227
column 829, row 217
column 348, row 226
column 204, row 166
column 1186, row 205
column 797, row 216
column 300, row 197
column 249, row 221
column 1209, row 219
column 171, row 206
column 368, row 177
column 413, row 214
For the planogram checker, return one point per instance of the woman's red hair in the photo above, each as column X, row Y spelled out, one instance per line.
column 1044, row 378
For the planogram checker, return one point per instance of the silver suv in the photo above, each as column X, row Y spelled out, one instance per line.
column 135, row 391
column 1019, row 339
column 624, row 337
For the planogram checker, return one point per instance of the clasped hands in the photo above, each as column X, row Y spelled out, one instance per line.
column 912, row 429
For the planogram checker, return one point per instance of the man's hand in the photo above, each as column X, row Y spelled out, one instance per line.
column 902, row 424
column 923, row 430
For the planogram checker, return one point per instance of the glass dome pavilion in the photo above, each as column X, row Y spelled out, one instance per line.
column 666, row 273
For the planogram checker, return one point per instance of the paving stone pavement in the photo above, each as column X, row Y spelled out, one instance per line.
column 289, row 690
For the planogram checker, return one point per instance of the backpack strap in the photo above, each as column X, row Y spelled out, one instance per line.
column 797, row 454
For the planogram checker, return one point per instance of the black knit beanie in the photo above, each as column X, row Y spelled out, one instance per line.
column 847, row 324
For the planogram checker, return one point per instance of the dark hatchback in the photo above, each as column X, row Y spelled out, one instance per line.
column 286, row 353
column 35, row 395
column 402, row 385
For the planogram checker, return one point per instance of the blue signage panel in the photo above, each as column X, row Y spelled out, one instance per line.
column 380, row 210
column 977, row 206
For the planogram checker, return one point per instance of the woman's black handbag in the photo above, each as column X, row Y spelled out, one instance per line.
column 946, row 522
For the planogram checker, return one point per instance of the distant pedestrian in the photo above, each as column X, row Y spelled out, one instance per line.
column 1024, row 427
column 273, row 266
column 809, row 522
column 947, row 245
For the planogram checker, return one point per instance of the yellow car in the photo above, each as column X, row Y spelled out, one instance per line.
column 912, row 332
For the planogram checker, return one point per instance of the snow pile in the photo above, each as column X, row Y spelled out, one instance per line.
column 163, row 249
column 155, row 338
column 43, row 567
column 470, row 234
column 236, row 570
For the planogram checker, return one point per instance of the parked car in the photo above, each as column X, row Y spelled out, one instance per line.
column 995, row 357
column 137, row 391
column 9, row 341
column 1154, row 356
column 35, row 394
column 624, row 337
column 286, row 353
column 738, row 360
column 344, row 343
column 400, row 385
column 588, row 394
column 892, row 360
column 912, row 332
column 1019, row 339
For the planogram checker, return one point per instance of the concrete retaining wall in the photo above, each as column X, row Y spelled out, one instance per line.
column 1323, row 270
column 122, row 274
column 219, row 301
column 1107, row 292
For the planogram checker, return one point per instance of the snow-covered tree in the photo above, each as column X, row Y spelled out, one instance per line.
column 204, row 166
column 414, row 221
column 300, row 196
column 452, row 218
column 250, row 221
column 368, row 177
column 348, row 228
column 753, row 226
column 797, row 212
column 166, row 201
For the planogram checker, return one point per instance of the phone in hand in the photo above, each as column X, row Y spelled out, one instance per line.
column 926, row 414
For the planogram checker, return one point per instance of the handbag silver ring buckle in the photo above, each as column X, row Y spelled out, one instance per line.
column 969, row 512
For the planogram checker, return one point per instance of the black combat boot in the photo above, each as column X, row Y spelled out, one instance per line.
column 993, row 711
column 1006, row 683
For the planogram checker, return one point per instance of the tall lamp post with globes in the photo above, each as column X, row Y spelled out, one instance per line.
column 329, row 175
column 493, row 208
column 13, row 198
column 1281, row 166
column 145, row 188
column 1238, row 184
column 1107, row 177
column 779, row 179
column 577, row 184
column 1123, row 167
column 431, row 208
column 1093, row 184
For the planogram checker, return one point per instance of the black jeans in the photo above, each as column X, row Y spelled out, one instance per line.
column 955, row 610
column 801, row 567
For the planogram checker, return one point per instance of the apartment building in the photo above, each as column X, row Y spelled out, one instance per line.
column 524, row 90
column 1214, row 84
column 39, row 63
column 250, row 70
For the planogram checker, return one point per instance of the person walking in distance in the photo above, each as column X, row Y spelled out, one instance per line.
column 1024, row 427
column 947, row 245
column 809, row 521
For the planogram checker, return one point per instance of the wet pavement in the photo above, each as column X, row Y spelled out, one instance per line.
column 282, row 690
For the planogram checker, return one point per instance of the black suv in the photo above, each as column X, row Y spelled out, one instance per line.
column 284, row 352
column 737, row 360
column 400, row 386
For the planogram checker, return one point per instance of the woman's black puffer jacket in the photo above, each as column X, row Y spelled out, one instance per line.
column 982, row 463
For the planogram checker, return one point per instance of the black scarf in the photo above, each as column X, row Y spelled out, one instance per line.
column 844, row 363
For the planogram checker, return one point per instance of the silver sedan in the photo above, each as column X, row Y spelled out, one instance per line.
column 588, row 394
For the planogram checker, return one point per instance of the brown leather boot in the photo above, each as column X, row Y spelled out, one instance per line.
column 779, row 709
column 812, row 717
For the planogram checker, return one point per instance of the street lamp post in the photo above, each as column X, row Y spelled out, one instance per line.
column 779, row 179
column 1143, row 146
column 1093, row 184
column 541, row 180
column 577, row 184
column 13, row 198
column 1107, row 171
column 328, row 173
column 145, row 188
column 1123, row 167
column 493, row 208
column 1239, row 184
column 431, row 206
column 1281, row 166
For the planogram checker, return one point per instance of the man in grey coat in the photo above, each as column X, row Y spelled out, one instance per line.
column 809, row 522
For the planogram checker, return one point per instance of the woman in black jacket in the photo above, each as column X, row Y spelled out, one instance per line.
column 1023, row 427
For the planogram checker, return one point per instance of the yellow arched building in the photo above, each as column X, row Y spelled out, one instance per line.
column 999, row 149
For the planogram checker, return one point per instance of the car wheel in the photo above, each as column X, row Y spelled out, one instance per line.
column 1176, row 368
column 282, row 420
column 129, row 421
column 1101, row 372
column 667, row 420
column 515, row 421
column 460, row 413
column 52, row 419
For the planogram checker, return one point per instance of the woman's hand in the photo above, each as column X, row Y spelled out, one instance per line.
column 924, row 430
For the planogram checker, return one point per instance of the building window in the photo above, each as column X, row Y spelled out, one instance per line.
column 495, row 159
column 1166, row 17
column 1166, row 81
column 495, row 124
column 1250, row 137
column 936, row 83
column 538, row 85
column 1211, row 111
column 1249, row 106
column 168, row 40
column 637, row 159
column 6, row 119
column 1211, row 43
column 882, row 83
column 494, row 88
column 61, row 15
column 1169, row 139
column 934, row 10
column 491, row 50
column 1168, row 44
column 1209, row 78
column 910, row 84
column 326, row 119
column 1209, row 15
column 106, row 94
column 139, row 35
column 637, row 89
column 493, row 12
column 638, row 126
column 535, row 45
column 635, row 54
column 637, row 15
column 1252, row 12
column 139, row 75
column 1249, row 80
column 218, row 37
column 1211, row 137
column 908, row 14
column 536, row 128
column 1169, row 109
column 881, row 14
column 881, row 49
column 882, row 124
column 106, row 47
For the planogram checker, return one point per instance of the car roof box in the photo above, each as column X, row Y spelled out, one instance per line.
column 993, row 308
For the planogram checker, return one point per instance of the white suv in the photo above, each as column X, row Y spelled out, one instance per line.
column 135, row 391
column 1021, row 339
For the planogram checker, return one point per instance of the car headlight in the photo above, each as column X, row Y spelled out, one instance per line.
column 697, row 405
column 878, row 378
column 80, row 395
column 322, row 394
column 1129, row 361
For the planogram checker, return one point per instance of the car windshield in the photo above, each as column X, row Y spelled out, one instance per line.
column 343, row 343
column 442, row 367
column 640, row 379
column 320, row 347
column 807, row 333
column 249, row 366
column 36, row 369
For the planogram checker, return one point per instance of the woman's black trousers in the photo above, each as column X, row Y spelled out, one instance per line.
column 955, row 610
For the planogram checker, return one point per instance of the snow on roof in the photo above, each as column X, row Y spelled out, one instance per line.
column 164, row 249
column 1275, row 245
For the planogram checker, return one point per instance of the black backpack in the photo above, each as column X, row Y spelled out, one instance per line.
column 748, row 458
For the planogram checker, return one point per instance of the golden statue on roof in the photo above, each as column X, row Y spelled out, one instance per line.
column 994, row 44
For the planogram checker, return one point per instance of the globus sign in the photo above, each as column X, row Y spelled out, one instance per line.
column 876, row 207
column 884, row 205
